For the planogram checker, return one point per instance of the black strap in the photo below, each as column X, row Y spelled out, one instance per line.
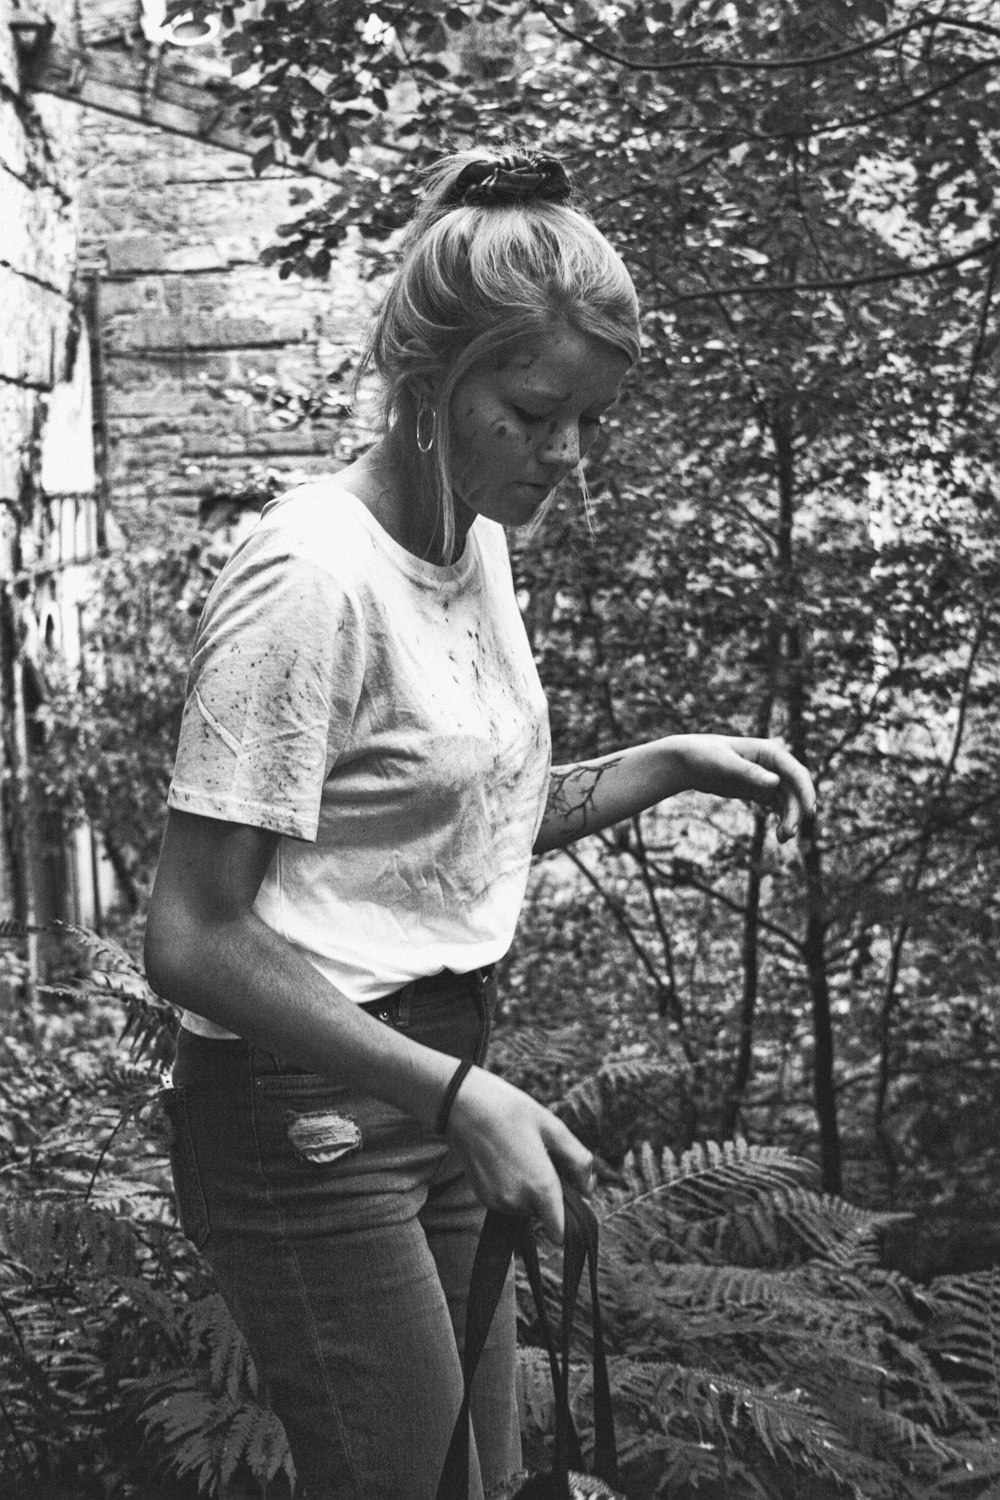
column 501, row 1236
column 451, row 1093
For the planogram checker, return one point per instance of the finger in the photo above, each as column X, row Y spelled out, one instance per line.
column 552, row 1214
column 796, row 796
column 571, row 1157
column 584, row 1175
column 572, row 1161
column 799, row 803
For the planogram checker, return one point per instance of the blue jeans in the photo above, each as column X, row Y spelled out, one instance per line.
column 341, row 1235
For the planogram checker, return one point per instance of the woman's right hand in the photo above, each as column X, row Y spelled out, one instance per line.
column 516, row 1151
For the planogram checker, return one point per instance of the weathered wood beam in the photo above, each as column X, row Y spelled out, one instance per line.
column 140, row 85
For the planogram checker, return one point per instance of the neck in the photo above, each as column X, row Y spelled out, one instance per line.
column 389, row 484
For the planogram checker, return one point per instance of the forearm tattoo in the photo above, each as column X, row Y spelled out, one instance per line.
column 573, row 793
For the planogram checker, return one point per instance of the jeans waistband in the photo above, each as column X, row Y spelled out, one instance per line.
column 432, row 1007
column 397, row 1005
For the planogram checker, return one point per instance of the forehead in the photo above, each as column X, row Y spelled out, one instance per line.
column 567, row 366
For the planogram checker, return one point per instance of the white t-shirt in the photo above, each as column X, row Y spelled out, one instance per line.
column 384, row 715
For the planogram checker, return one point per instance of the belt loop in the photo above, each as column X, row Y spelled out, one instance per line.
column 404, row 1005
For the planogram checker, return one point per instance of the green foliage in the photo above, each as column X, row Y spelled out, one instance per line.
column 121, row 1373
column 758, row 1349
column 204, row 1415
column 109, row 727
column 756, row 1340
column 793, row 531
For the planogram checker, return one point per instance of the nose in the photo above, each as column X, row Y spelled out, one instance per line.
column 560, row 445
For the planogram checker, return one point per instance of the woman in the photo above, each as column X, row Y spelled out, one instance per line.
column 362, row 777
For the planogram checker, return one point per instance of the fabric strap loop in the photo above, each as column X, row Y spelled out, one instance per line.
column 501, row 1236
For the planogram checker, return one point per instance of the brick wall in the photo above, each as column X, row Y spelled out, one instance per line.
column 133, row 302
column 196, row 332
column 39, row 367
column 39, row 169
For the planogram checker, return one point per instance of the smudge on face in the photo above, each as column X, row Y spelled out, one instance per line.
column 520, row 424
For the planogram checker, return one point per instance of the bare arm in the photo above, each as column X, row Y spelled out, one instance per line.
column 207, row 950
column 590, row 795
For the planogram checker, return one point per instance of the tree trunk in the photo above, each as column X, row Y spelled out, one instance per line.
column 796, row 692
column 750, row 958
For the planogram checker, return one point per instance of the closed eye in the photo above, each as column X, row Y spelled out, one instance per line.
column 536, row 417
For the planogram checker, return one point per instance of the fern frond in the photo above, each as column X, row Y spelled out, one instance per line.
column 701, row 1206
column 212, row 1434
column 51, row 1238
column 612, row 1084
column 211, row 1327
column 105, row 955
column 151, row 1027
column 700, row 1175
column 520, row 1052
column 237, row 1442
column 711, row 1407
column 267, row 1451
column 12, row 930
column 156, row 1307
column 964, row 1337
column 535, row 1398
column 789, row 1225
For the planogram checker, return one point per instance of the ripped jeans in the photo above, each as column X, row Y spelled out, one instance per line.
column 341, row 1235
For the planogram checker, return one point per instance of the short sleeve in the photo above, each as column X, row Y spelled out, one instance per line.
column 275, row 682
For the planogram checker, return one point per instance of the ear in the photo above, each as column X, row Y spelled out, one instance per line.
column 422, row 392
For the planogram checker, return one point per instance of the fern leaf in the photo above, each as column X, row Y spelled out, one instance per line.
column 106, row 955
column 11, row 930
column 268, row 1451
column 964, row 1337
column 48, row 1238
column 236, row 1442
column 535, row 1398
column 611, row 1085
column 700, row 1178
column 211, row 1326
column 182, row 1414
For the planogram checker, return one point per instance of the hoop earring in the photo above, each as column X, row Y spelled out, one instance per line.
column 425, row 442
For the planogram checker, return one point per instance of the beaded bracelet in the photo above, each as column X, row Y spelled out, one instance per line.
column 457, row 1079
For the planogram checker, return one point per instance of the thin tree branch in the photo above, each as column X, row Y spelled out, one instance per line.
column 617, row 911
column 638, row 851
column 977, row 352
column 983, row 28
column 830, row 127
column 889, row 997
column 736, row 64
column 779, row 288
column 685, row 879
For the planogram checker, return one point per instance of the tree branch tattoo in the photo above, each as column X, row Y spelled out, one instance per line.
column 573, row 790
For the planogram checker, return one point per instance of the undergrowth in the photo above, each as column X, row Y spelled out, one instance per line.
column 758, row 1346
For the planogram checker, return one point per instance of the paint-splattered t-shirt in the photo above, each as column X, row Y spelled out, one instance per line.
column 385, row 717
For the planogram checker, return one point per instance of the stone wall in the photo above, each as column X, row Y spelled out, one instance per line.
column 39, row 170
column 48, row 501
column 210, row 360
column 133, row 309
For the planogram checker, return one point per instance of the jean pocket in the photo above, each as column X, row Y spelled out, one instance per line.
column 192, row 1210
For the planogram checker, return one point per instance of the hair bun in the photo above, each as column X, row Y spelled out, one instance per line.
column 513, row 179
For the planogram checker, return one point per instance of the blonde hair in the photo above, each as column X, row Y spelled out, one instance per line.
column 476, row 280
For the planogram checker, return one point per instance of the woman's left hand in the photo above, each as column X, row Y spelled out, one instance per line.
column 760, row 771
